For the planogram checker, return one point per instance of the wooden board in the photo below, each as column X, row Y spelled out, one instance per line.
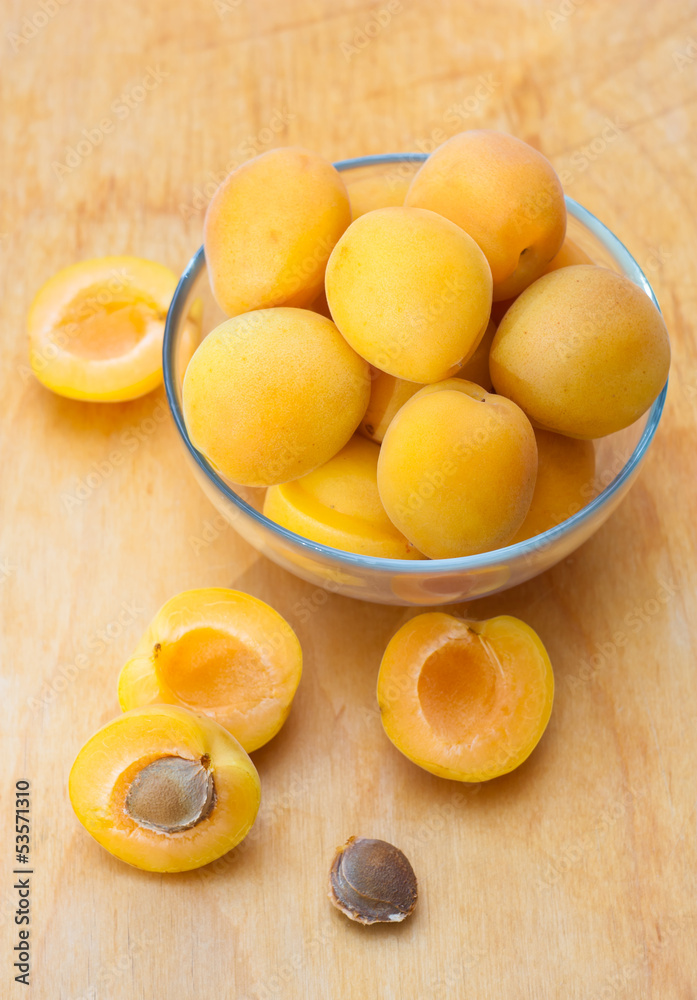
column 573, row 877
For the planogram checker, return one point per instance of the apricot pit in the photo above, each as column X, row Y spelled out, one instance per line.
column 372, row 881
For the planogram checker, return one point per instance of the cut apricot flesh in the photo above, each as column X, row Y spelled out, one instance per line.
column 96, row 328
column 164, row 790
column 222, row 653
column 465, row 700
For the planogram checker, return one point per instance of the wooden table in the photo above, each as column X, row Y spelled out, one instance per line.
column 573, row 877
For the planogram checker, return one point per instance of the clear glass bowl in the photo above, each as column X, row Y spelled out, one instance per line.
column 393, row 581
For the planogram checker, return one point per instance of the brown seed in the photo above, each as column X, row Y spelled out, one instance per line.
column 171, row 794
column 372, row 882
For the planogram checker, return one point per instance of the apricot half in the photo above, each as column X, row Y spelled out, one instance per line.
column 583, row 351
column 339, row 505
column 565, row 482
column 465, row 700
column 410, row 292
column 502, row 192
column 95, row 328
column 457, row 469
column 270, row 228
column 221, row 653
column 164, row 790
column 271, row 395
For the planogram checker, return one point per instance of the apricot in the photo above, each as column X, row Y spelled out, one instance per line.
column 271, row 395
column 410, row 292
column 339, row 505
column 570, row 254
column 221, row 653
column 463, row 699
column 502, row 192
column 583, row 351
column 96, row 328
column 381, row 191
column 270, row 228
column 457, row 469
column 164, row 790
column 388, row 394
column 565, row 482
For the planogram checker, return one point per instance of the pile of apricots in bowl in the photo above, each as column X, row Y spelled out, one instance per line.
column 414, row 371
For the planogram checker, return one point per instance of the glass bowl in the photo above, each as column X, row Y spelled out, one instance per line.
column 394, row 581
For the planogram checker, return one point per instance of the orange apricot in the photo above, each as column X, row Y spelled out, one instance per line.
column 565, row 482
column 569, row 254
column 271, row 395
column 457, row 469
column 95, row 328
column 380, row 191
column 502, row 192
column 465, row 700
column 270, row 228
column 164, row 790
column 339, row 505
column 223, row 654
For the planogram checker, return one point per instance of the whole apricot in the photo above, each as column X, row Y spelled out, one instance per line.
column 465, row 700
column 570, row 254
column 410, row 292
column 565, row 482
column 164, row 790
column 583, row 351
column 457, row 469
column 502, row 192
column 221, row 653
column 270, row 228
column 338, row 504
column 270, row 395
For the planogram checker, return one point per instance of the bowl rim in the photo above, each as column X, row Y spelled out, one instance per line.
column 459, row 564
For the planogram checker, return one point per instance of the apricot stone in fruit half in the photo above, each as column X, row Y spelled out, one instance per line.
column 96, row 328
column 565, row 482
column 502, row 192
column 339, row 505
column 457, row 469
column 221, row 653
column 270, row 228
column 410, row 292
column 164, row 790
column 583, row 351
column 465, row 700
column 271, row 395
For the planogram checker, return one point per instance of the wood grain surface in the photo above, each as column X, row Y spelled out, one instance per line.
column 573, row 877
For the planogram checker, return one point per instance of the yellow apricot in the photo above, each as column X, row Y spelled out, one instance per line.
column 272, row 394
column 583, row 351
column 95, row 328
column 502, row 192
column 570, row 254
column 457, row 469
column 164, row 790
column 221, row 653
column 565, row 482
column 388, row 394
column 339, row 505
column 465, row 700
column 410, row 292
column 270, row 228
column 381, row 191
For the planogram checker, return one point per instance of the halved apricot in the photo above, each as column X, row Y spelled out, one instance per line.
column 164, row 790
column 222, row 653
column 95, row 328
column 339, row 505
column 465, row 700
